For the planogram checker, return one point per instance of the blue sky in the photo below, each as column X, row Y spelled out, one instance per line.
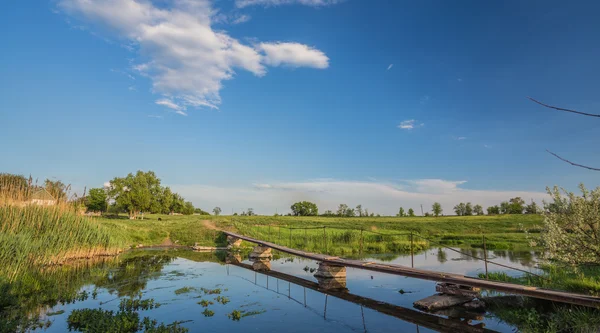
column 256, row 103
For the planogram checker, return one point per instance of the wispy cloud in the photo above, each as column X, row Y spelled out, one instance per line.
column 410, row 124
column 459, row 80
column 155, row 116
column 378, row 197
column 424, row 99
column 268, row 3
column 459, row 138
column 390, row 67
column 186, row 59
column 132, row 88
column 170, row 104
column 241, row 19
column 487, row 146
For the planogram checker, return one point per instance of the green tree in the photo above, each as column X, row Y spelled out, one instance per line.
column 468, row 209
column 200, row 211
column 349, row 212
column 177, row 204
column 166, row 200
column 136, row 193
column 217, row 211
column 437, row 209
column 400, row 212
column 188, row 208
column 460, row 209
column 342, row 208
column 359, row 210
column 328, row 213
column 96, row 201
column 411, row 212
column 304, row 208
column 493, row 210
column 571, row 228
column 516, row 206
column 532, row 208
column 504, row 207
column 478, row 209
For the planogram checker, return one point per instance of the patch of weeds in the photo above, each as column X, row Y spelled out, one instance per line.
column 176, row 273
column 184, row 290
column 98, row 320
column 216, row 291
column 208, row 313
column 49, row 314
column 137, row 304
column 222, row 299
column 236, row 315
column 205, row 303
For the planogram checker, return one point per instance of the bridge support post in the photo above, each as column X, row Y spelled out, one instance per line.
column 233, row 258
column 233, row 242
column 331, row 276
column 261, row 252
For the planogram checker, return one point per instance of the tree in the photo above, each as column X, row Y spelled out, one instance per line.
column 359, row 210
column 460, row 209
column 166, row 200
column 342, row 208
column 493, row 210
column 478, row 209
column 200, row 211
column 250, row 212
column 437, row 209
column 349, row 212
column 570, row 228
column 217, row 211
column 516, row 205
column 96, row 200
column 177, row 204
column 468, row 209
column 532, row 208
column 504, row 207
column 400, row 212
column 188, row 208
column 328, row 213
column 304, row 208
column 411, row 212
column 136, row 193
column 571, row 111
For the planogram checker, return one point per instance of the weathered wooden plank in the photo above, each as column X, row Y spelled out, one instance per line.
column 541, row 293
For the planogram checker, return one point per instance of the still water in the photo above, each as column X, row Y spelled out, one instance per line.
column 181, row 280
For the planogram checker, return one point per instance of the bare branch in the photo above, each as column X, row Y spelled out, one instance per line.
column 566, row 110
column 575, row 164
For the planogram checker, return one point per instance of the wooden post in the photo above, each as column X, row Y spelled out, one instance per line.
column 325, row 239
column 361, row 241
column 304, row 296
column 485, row 257
column 412, row 257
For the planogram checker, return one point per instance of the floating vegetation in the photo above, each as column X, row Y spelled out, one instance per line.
column 50, row 314
column 184, row 290
column 98, row 320
column 211, row 291
column 208, row 313
column 205, row 303
column 236, row 315
column 222, row 299
column 137, row 304
column 176, row 273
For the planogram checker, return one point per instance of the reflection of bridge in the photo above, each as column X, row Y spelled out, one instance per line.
column 418, row 318
column 329, row 262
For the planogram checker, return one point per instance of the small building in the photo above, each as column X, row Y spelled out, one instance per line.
column 42, row 198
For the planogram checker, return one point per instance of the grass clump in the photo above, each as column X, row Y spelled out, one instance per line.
column 208, row 313
column 222, row 299
column 216, row 291
column 184, row 290
column 205, row 303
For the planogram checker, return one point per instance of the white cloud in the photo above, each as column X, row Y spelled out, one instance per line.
column 378, row 197
column 487, row 146
column 170, row 104
column 241, row 19
column 410, row 124
column 132, row 88
column 459, row 80
column 154, row 116
column 293, row 54
column 390, row 66
column 267, row 3
column 180, row 52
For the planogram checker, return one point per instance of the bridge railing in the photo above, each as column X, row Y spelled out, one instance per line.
column 341, row 240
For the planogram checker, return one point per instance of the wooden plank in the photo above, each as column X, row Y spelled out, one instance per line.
column 541, row 293
column 430, row 321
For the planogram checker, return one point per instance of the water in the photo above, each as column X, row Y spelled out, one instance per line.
column 270, row 304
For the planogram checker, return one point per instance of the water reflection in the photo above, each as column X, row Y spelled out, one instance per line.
column 359, row 301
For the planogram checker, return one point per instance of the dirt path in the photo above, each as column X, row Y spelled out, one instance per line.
column 210, row 225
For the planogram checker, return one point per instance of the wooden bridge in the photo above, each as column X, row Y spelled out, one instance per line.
column 448, row 278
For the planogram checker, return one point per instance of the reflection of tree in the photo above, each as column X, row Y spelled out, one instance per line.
column 133, row 274
column 441, row 256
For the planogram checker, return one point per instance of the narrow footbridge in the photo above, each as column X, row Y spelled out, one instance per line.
column 447, row 278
